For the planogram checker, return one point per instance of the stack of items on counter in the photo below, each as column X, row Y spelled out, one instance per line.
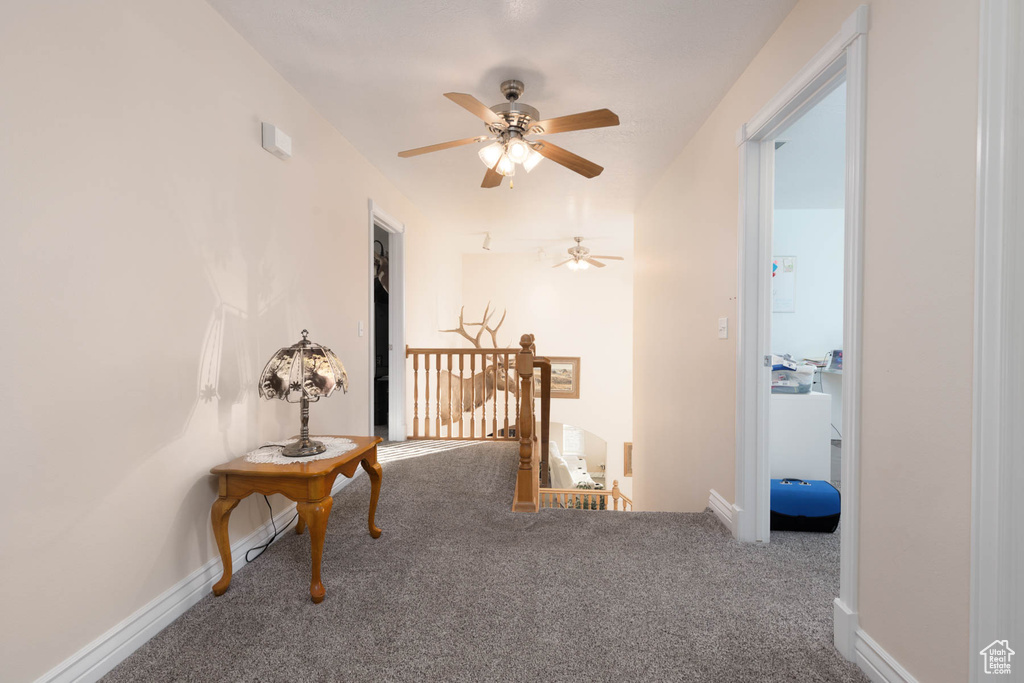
column 790, row 377
column 798, row 505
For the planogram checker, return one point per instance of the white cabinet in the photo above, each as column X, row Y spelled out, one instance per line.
column 799, row 436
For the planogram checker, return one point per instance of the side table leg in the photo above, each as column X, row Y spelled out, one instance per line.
column 374, row 471
column 315, row 516
column 219, row 515
column 300, row 525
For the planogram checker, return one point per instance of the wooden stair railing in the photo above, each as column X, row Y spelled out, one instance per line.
column 533, row 452
column 453, row 400
column 585, row 499
column 465, row 394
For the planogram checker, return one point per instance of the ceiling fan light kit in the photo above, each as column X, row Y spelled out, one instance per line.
column 509, row 123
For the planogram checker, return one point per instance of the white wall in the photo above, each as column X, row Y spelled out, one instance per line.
column 815, row 238
column 586, row 314
column 922, row 93
column 154, row 257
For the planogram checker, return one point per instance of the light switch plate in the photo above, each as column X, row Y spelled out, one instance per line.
column 360, row 328
column 723, row 328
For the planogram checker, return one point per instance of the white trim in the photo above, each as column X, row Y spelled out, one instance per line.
column 844, row 56
column 878, row 664
column 100, row 656
column 853, row 317
column 723, row 510
column 845, row 625
column 747, row 367
column 396, row 322
column 792, row 96
column 994, row 410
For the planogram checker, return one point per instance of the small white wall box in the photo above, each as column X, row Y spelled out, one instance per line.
column 276, row 142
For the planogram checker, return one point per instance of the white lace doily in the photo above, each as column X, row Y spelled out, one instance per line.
column 271, row 455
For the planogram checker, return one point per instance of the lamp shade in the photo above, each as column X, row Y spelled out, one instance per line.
column 491, row 153
column 517, row 150
column 301, row 373
column 532, row 160
column 304, row 370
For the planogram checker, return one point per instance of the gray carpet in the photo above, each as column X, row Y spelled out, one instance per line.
column 459, row 588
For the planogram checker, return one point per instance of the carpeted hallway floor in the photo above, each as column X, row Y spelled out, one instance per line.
column 458, row 588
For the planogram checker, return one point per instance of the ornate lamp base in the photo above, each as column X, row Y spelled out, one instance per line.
column 303, row 448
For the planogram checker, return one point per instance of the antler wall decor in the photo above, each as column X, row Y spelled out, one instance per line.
column 471, row 393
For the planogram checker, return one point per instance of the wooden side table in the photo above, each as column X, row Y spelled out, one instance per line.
column 308, row 484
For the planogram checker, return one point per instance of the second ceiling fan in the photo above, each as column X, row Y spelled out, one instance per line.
column 580, row 257
column 509, row 123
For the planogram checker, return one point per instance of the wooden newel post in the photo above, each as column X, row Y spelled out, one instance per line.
column 527, row 495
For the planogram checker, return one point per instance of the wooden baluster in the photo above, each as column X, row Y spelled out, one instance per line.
column 472, row 396
column 508, row 378
column 426, row 395
column 616, row 493
column 483, row 397
column 494, row 402
column 462, row 397
column 415, row 395
column 437, row 420
column 519, row 400
column 451, row 418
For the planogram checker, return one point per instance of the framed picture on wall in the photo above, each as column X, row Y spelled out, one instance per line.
column 565, row 377
column 627, row 459
column 784, row 284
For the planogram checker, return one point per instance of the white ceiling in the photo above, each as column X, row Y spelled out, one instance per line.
column 377, row 70
column 810, row 169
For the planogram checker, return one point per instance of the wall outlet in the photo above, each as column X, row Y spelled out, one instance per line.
column 361, row 331
column 723, row 328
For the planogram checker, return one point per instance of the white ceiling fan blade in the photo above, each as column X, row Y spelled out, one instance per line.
column 609, row 258
column 594, row 263
column 562, row 263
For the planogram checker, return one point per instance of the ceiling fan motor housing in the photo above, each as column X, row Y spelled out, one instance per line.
column 512, row 89
column 518, row 115
column 579, row 252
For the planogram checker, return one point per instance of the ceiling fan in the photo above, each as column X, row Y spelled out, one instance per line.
column 509, row 123
column 580, row 258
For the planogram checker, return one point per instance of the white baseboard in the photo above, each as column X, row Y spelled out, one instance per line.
column 724, row 510
column 844, row 630
column 878, row 664
column 101, row 655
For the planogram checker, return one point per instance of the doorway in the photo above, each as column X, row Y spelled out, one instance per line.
column 806, row 324
column 386, row 313
column 842, row 59
column 381, row 337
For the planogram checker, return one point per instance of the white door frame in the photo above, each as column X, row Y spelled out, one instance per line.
column 998, row 307
column 396, row 321
column 845, row 53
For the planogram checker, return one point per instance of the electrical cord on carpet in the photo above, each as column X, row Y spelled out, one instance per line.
column 262, row 548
